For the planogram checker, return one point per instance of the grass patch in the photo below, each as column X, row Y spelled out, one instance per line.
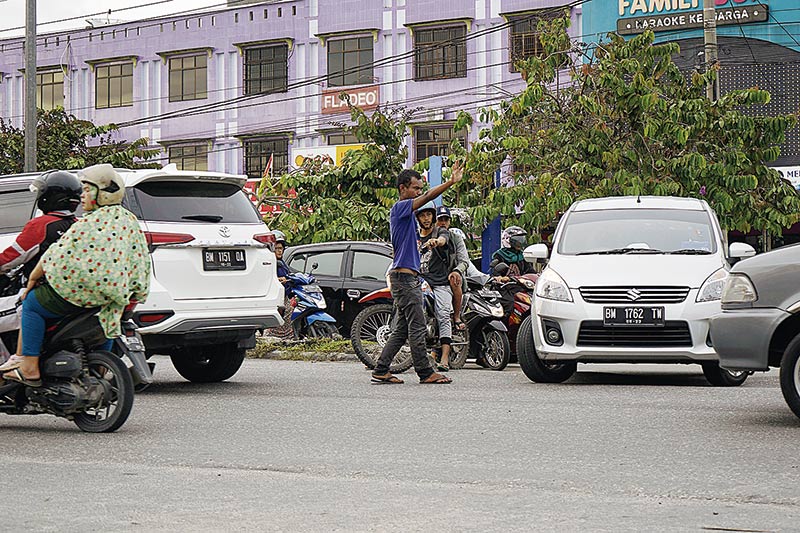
column 299, row 350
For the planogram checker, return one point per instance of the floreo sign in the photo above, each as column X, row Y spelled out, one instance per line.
column 364, row 97
column 631, row 8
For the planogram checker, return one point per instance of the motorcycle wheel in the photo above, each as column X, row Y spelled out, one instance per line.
column 459, row 350
column 322, row 330
column 114, row 410
column 370, row 332
column 496, row 349
column 208, row 364
column 533, row 367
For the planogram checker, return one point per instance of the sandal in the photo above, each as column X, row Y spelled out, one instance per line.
column 436, row 379
column 16, row 375
column 442, row 368
column 389, row 379
column 13, row 362
column 460, row 325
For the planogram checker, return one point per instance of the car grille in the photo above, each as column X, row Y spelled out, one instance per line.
column 634, row 295
column 673, row 333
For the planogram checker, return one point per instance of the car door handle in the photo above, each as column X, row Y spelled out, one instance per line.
column 353, row 293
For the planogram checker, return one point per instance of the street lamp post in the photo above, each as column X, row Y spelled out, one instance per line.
column 710, row 46
column 30, row 86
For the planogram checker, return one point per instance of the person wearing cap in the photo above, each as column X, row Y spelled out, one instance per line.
column 459, row 264
column 404, row 278
column 101, row 261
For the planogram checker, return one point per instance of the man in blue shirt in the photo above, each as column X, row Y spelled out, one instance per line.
column 404, row 278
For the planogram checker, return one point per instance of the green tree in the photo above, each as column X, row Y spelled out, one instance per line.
column 66, row 142
column 323, row 202
column 628, row 122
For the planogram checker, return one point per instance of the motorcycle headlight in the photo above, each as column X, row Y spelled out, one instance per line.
column 497, row 310
column 738, row 290
column 552, row 287
column 711, row 289
column 528, row 284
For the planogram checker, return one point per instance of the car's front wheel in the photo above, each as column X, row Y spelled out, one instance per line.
column 533, row 367
column 721, row 377
column 208, row 364
column 790, row 376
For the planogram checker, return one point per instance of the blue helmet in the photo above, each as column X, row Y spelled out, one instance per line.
column 430, row 206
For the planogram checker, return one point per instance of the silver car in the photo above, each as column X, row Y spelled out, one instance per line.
column 759, row 326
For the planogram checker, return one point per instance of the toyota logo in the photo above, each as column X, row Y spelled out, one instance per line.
column 225, row 231
column 634, row 294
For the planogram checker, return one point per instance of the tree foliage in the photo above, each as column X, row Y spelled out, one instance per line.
column 628, row 122
column 323, row 202
column 66, row 142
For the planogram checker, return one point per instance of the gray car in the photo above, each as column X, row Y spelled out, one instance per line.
column 759, row 326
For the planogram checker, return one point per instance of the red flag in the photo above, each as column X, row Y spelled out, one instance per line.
column 267, row 169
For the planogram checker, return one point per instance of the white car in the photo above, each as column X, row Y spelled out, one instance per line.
column 630, row 280
column 214, row 281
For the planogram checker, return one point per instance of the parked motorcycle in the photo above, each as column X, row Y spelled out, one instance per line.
column 483, row 314
column 93, row 388
column 373, row 326
column 308, row 318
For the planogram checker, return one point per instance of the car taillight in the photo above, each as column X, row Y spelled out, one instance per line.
column 151, row 319
column 158, row 238
column 265, row 238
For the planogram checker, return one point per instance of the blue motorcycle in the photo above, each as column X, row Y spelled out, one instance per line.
column 309, row 320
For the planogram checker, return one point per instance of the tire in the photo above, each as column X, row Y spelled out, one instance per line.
column 322, row 330
column 495, row 348
column 790, row 375
column 533, row 367
column 114, row 410
column 369, row 333
column 720, row 377
column 459, row 350
column 208, row 364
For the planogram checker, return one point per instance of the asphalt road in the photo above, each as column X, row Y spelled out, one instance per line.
column 297, row 446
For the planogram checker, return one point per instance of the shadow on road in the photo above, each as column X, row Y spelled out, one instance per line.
column 224, row 387
column 608, row 378
column 769, row 419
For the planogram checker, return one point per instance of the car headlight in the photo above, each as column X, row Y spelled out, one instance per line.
column 711, row 289
column 739, row 290
column 552, row 287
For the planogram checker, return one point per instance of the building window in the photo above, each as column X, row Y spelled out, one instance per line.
column 342, row 138
column 114, row 85
column 266, row 69
column 350, row 62
column 50, row 89
column 187, row 78
column 435, row 140
column 189, row 157
column 440, row 53
column 524, row 40
column 258, row 151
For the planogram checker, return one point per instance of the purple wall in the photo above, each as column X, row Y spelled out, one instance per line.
column 296, row 111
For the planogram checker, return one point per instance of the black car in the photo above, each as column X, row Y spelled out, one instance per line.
column 346, row 271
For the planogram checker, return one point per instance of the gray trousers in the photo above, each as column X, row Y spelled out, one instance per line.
column 443, row 295
column 409, row 324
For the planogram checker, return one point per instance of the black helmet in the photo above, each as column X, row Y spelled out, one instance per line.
column 57, row 190
column 516, row 238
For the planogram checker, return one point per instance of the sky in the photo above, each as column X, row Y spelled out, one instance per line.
column 13, row 12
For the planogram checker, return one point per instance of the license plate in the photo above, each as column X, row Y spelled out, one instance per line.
column 633, row 316
column 223, row 260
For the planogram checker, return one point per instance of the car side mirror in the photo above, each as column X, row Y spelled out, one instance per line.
column 534, row 252
column 740, row 250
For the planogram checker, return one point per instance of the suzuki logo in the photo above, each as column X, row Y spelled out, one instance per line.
column 634, row 294
column 225, row 231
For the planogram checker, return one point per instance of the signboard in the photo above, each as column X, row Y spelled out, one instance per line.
column 329, row 154
column 790, row 173
column 685, row 20
column 366, row 98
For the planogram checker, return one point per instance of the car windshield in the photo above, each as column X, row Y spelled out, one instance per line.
column 185, row 201
column 638, row 231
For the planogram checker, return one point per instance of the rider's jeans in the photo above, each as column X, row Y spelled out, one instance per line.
column 34, row 323
column 444, row 308
column 409, row 325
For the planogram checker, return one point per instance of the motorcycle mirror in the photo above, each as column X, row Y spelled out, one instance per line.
column 314, row 267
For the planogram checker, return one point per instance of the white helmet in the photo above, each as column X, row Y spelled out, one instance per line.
column 110, row 185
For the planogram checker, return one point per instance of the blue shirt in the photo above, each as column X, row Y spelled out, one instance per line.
column 403, row 228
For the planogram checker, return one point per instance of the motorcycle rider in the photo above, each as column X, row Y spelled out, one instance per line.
column 436, row 250
column 280, row 247
column 100, row 261
column 512, row 242
column 58, row 195
column 459, row 266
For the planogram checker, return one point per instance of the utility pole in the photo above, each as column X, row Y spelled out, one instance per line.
column 30, row 86
column 710, row 46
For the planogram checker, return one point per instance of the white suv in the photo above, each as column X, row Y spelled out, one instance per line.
column 214, row 281
column 633, row 280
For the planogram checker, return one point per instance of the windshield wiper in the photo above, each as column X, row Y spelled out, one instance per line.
column 204, row 218
column 623, row 251
column 690, row 251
